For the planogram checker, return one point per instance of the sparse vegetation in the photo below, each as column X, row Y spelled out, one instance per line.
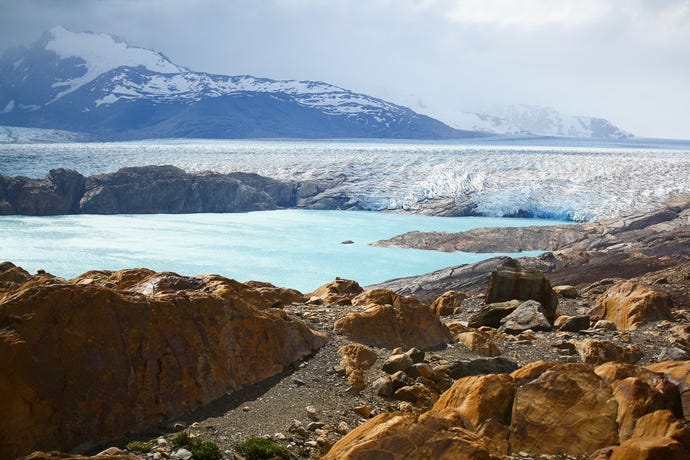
column 202, row 450
column 141, row 447
column 256, row 448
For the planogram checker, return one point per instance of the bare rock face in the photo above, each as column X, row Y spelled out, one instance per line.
column 448, row 303
column 651, row 448
column 512, row 281
column 92, row 362
column 491, row 315
column 340, row 291
column 677, row 372
column 11, row 277
column 567, row 409
column 400, row 322
column 400, row 436
column 632, row 305
column 147, row 189
column 595, row 352
column 541, row 409
column 479, row 342
column 58, row 193
column 662, row 423
column 473, row 400
column 528, row 315
column 356, row 358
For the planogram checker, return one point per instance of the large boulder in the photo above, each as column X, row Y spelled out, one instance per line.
column 596, row 351
column 528, row 315
column 677, row 372
column 567, row 409
column 448, row 303
column 630, row 305
column 399, row 436
column 650, row 448
column 476, row 399
column 491, row 315
column 91, row 363
column 400, row 322
column 512, row 281
column 340, row 291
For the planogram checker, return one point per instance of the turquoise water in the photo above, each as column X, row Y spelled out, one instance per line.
column 292, row 248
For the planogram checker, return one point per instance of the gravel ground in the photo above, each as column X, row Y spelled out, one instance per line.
column 309, row 407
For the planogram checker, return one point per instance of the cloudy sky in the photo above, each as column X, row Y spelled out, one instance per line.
column 624, row 60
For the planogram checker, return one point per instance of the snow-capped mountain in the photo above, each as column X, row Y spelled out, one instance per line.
column 97, row 84
column 483, row 123
column 546, row 121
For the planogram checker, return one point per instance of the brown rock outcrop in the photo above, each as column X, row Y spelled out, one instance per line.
column 402, row 322
column 540, row 409
column 678, row 373
column 91, row 363
column 356, row 358
column 662, row 423
column 512, row 281
column 595, row 352
column 473, row 400
column 339, row 291
column 567, row 409
column 632, row 305
column 479, row 342
column 405, row 436
column 650, row 448
column 448, row 303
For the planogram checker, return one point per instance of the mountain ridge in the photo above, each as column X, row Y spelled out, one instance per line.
column 92, row 83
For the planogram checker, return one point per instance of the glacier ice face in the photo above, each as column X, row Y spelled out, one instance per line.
column 576, row 183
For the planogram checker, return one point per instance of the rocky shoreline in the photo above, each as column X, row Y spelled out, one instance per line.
column 162, row 189
column 582, row 352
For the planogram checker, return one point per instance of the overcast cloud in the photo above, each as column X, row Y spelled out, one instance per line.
column 624, row 60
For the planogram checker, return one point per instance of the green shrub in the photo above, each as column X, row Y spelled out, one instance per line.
column 205, row 450
column 182, row 439
column 141, row 447
column 202, row 450
column 261, row 449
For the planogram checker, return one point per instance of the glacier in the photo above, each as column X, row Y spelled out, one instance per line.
column 566, row 182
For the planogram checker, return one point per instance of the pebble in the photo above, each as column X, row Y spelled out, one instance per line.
column 182, row 454
column 279, row 437
column 343, row 428
column 312, row 426
column 311, row 412
column 364, row 410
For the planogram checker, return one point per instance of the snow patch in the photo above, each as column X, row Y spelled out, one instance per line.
column 102, row 53
column 9, row 107
column 109, row 99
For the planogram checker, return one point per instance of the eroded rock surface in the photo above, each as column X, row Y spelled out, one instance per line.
column 92, row 360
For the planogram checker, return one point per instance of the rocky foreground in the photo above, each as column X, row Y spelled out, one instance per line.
column 506, row 361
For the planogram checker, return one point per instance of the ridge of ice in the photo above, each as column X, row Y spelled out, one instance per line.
column 575, row 183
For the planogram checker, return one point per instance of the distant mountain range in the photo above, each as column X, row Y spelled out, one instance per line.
column 98, row 85
column 537, row 120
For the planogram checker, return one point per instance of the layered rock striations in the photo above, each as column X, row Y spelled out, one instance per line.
column 579, row 254
column 112, row 353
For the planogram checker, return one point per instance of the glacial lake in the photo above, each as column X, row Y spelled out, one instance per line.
column 301, row 249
